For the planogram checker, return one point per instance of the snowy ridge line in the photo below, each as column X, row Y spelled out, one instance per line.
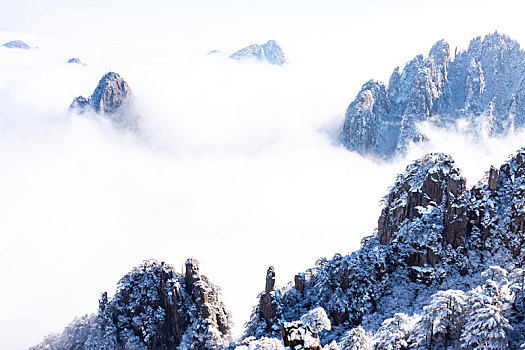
column 482, row 85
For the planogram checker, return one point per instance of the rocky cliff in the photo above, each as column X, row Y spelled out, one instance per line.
column 483, row 85
column 270, row 52
column 434, row 233
column 112, row 98
column 154, row 308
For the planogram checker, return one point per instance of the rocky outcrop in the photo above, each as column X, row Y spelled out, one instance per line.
column 484, row 85
column 267, row 305
column 270, row 280
column 270, row 52
column 112, row 98
column 434, row 233
column 299, row 282
column 297, row 335
column 16, row 44
column 432, row 186
column 157, row 308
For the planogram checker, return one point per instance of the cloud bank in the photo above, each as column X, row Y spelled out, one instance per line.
column 237, row 164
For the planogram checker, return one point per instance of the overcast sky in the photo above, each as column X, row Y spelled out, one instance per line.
column 238, row 164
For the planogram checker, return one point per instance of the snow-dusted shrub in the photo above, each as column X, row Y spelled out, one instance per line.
column 317, row 320
column 262, row 344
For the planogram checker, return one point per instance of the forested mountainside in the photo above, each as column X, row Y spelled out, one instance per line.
column 483, row 85
column 154, row 308
column 443, row 269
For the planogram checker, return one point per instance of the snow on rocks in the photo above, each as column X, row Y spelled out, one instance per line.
column 482, row 85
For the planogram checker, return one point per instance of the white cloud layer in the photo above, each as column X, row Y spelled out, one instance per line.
column 237, row 165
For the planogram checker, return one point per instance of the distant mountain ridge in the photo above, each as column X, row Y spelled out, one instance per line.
column 484, row 84
column 269, row 52
column 17, row 44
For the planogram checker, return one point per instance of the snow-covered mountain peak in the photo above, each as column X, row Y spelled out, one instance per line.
column 486, row 79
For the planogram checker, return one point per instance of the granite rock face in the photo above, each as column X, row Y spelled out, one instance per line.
column 17, row 44
column 270, row 52
column 267, row 304
column 155, row 308
column 483, row 85
column 432, row 185
column 112, row 98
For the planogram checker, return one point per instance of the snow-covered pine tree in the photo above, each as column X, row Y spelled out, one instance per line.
column 103, row 332
column 440, row 321
column 485, row 329
column 393, row 333
column 486, row 325
column 356, row 339
column 517, row 286
column 497, row 274
column 73, row 336
column 317, row 320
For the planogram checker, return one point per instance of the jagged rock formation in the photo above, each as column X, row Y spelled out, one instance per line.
column 270, row 52
column 433, row 233
column 484, row 84
column 432, row 186
column 112, row 98
column 267, row 307
column 17, row 44
column 154, row 308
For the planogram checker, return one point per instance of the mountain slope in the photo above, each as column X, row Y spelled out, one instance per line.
column 154, row 308
column 433, row 235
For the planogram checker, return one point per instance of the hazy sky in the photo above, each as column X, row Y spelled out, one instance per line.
column 238, row 163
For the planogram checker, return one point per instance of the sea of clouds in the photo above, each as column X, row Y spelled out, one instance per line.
column 237, row 164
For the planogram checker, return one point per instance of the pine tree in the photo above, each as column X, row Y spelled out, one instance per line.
column 485, row 329
column 486, row 326
column 517, row 286
column 440, row 320
column 103, row 332
column 317, row 320
column 356, row 339
column 496, row 274
column 393, row 333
